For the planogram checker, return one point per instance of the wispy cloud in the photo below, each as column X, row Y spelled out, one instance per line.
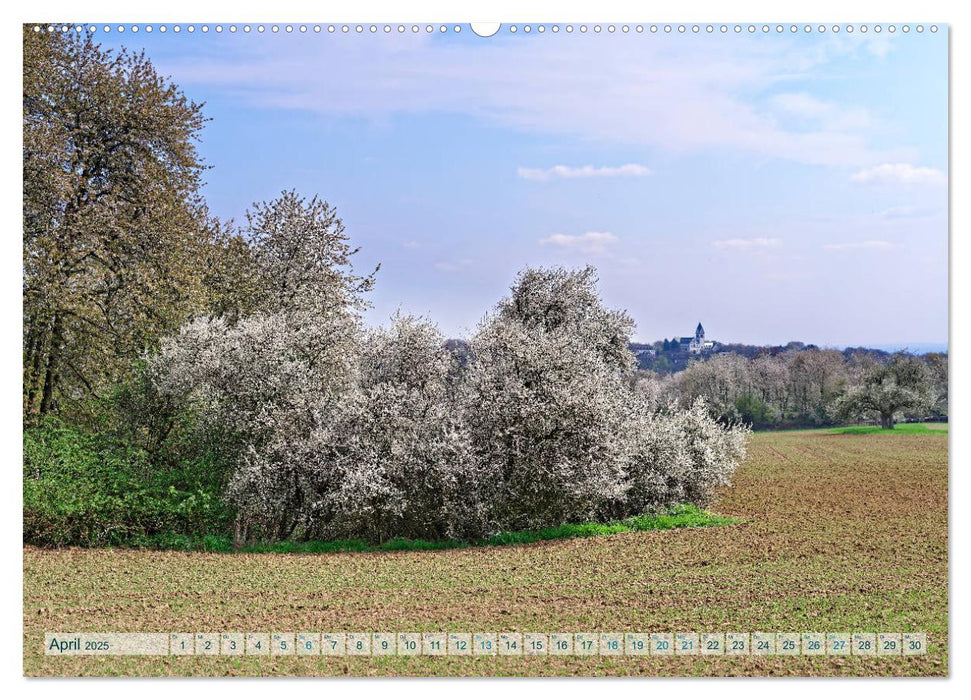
column 907, row 212
column 566, row 172
column 454, row 265
column 899, row 174
column 900, row 212
column 859, row 245
column 747, row 243
column 592, row 242
column 825, row 114
column 667, row 93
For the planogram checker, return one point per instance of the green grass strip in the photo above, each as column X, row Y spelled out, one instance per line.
column 899, row 429
column 679, row 517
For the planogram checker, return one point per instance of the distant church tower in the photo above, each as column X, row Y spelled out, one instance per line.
column 697, row 345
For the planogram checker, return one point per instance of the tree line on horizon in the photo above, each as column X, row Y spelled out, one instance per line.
column 808, row 386
column 667, row 356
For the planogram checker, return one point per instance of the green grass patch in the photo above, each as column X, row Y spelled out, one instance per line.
column 899, row 429
column 679, row 517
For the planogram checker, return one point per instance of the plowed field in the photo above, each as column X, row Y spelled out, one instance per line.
column 841, row 533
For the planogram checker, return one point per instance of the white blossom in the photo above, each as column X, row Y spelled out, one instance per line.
column 343, row 432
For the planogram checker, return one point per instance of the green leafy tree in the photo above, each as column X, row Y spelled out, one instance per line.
column 937, row 365
column 115, row 234
column 903, row 384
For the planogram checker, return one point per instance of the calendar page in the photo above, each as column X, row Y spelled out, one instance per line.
column 437, row 348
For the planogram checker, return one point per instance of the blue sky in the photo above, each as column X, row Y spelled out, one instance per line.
column 775, row 187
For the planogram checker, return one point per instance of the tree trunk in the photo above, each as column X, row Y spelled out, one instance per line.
column 886, row 420
column 33, row 364
column 52, row 374
column 240, row 532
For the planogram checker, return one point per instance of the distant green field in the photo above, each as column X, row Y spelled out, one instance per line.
column 900, row 428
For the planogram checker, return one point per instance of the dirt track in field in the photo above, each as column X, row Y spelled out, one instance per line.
column 842, row 533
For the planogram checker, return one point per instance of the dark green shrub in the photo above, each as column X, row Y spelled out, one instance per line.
column 752, row 411
column 96, row 489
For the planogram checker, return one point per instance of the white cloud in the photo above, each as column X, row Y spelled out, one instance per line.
column 567, row 172
column 859, row 245
column 592, row 242
column 899, row 173
column 411, row 244
column 746, row 243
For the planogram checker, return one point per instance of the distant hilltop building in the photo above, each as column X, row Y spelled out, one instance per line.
column 697, row 344
column 669, row 356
